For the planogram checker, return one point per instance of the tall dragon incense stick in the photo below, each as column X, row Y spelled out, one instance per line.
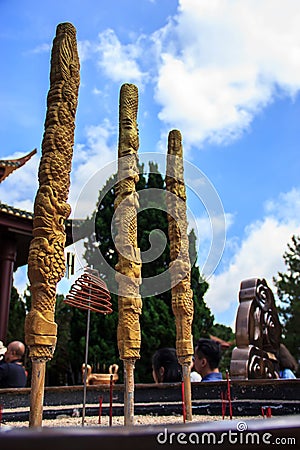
column 46, row 261
column 182, row 295
column 128, row 275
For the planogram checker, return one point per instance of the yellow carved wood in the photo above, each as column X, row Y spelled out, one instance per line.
column 46, row 261
column 128, row 268
column 180, row 268
column 128, row 275
column 182, row 294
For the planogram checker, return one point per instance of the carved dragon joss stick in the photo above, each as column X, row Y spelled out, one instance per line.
column 46, row 262
column 182, row 295
column 128, row 275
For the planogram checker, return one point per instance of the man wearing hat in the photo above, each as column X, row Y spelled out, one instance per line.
column 12, row 372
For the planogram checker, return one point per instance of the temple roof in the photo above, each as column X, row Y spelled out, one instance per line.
column 20, row 222
column 15, row 211
column 7, row 166
column 223, row 343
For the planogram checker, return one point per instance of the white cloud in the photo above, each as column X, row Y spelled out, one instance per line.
column 84, row 50
column 210, row 231
column 119, row 62
column 260, row 253
column 100, row 149
column 19, row 188
column 286, row 207
column 97, row 91
column 89, row 174
column 43, row 48
column 93, row 163
column 223, row 61
column 20, row 279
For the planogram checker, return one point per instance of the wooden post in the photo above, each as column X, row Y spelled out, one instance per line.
column 37, row 393
column 46, row 261
column 187, row 391
column 128, row 268
column 129, row 393
column 182, row 294
column 7, row 260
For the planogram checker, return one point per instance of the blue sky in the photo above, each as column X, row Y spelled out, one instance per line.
column 225, row 73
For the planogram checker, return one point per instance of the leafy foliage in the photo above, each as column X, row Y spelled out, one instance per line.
column 203, row 319
column 157, row 319
column 288, row 290
column 59, row 370
column 17, row 312
column 226, row 334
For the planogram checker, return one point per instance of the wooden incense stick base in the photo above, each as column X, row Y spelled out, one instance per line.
column 187, row 391
column 129, row 392
column 37, row 393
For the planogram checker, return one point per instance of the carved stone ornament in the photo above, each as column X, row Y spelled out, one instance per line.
column 46, row 261
column 258, row 332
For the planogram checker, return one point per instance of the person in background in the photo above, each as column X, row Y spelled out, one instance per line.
column 208, row 355
column 194, row 375
column 287, row 363
column 12, row 372
column 2, row 351
column 165, row 366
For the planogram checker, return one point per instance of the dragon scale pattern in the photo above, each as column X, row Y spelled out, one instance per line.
column 46, row 262
column 182, row 294
column 128, row 275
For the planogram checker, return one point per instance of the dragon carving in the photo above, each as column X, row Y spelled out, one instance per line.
column 128, row 268
column 182, row 294
column 46, row 261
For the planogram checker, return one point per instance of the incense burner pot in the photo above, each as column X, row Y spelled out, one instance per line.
column 93, row 379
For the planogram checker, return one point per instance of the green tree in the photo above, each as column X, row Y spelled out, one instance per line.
column 203, row 319
column 226, row 334
column 223, row 332
column 17, row 313
column 288, row 291
column 59, row 369
column 157, row 319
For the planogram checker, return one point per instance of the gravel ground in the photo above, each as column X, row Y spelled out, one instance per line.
column 67, row 421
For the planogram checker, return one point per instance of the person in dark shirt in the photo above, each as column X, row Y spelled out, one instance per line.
column 12, row 372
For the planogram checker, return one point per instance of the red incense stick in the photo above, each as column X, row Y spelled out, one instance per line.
column 110, row 399
column 229, row 394
column 183, row 402
column 100, row 409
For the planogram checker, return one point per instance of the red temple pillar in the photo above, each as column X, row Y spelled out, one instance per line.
column 8, row 251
